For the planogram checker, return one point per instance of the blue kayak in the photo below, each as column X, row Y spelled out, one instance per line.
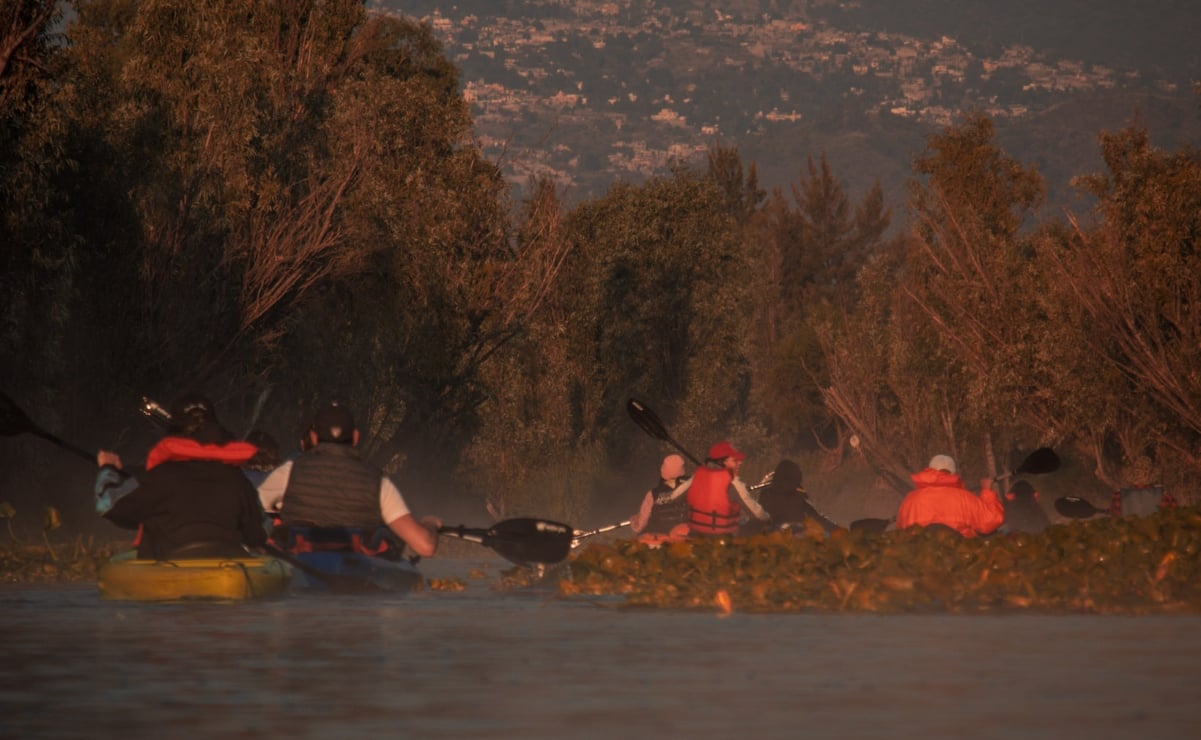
column 342, row 566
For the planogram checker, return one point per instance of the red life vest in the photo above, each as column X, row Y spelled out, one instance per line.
column 710, row 507
column 184, row 448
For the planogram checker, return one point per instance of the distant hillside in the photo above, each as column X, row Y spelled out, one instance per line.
column 1157, row 37
column 594, row 93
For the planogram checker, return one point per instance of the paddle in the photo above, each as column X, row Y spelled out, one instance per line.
column 1042, row 460
column 579, row 536
column 523, row 541
column 1075, row 507
column 651, row 424
column 13, row 421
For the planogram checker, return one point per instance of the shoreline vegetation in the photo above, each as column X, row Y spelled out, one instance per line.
column 1126, row 565
column 1109, row 566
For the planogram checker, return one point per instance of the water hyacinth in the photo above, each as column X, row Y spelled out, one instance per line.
column 1125, row 565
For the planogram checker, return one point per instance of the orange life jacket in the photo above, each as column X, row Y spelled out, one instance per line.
column 710, row 507
column 183, row 448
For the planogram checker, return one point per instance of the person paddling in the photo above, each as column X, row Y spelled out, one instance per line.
column 193, row 501
column 1140, row 495
column 940, row 498
column 1023, row 513
column 787, row 501
column 331, row 486
column 659, row 513
column 716, row 496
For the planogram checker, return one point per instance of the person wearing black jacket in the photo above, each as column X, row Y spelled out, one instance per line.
column 786, row 500
column 193, row 501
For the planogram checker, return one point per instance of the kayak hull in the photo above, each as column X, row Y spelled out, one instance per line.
column 125, row 578
column 396, row 576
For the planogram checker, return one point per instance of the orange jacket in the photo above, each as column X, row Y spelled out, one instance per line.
column 710, row 508
column 940, row 498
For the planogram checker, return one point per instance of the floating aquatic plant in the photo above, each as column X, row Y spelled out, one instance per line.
column 1109, row 565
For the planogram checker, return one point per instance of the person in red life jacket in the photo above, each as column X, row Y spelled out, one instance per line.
column 786, row 500
column 1141, row 495
column 1023, row 513
column 941, row 499
column 331, row 486
column 193, row 501
column 716, row 496
column 659, row 514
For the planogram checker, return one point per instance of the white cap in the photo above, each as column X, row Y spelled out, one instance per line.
column 943, row 462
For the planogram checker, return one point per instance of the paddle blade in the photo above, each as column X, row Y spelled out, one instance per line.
column 1042, row 460
column 647, row 420
column 527, row 541
column 1074, row 507
column 524, row 541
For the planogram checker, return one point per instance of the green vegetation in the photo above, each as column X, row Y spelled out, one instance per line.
column 276, row 203
column 1128, row 565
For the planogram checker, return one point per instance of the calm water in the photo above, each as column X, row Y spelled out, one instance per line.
column 481, row 664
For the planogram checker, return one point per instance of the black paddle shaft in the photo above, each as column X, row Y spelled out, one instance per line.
column 14, row 421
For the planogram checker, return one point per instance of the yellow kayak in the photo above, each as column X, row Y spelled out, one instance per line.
column 125, row 578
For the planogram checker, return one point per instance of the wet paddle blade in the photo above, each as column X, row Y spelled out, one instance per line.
column 1042, row 460
column 870, row 526
column 650, row 423
column 1074, row 507
column 524, row 541
column 530, row 541
column 647, row 420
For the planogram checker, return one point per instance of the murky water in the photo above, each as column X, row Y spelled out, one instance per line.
column 481, row 664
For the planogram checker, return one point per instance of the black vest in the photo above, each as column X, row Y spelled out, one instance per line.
column 332, row 486
column 666, row 514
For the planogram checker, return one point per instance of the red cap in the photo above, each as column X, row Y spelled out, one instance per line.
column 724, row 449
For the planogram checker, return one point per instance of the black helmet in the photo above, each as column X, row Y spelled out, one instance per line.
column 192, row 416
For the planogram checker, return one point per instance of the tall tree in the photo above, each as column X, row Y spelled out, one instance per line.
column 1132, row 283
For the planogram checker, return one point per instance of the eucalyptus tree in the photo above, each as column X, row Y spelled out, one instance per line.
column 239, row 169
column 970, row 273
column 651, row 301
column 1129, row 283
column 809, row 248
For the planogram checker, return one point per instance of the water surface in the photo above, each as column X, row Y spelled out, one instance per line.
column 485, row 664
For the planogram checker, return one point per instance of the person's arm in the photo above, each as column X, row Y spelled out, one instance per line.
column 639, row 521
column 990, row 512
column 421, row 536
column 680, row 490
column 271, row 490
column 111, row 485
column 749, row 502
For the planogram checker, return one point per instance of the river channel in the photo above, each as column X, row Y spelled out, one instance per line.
column 482, row 663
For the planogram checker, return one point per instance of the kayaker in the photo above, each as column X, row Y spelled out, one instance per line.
column 716, row 496
column 1141, row 495
column 193, row 501
column 1023, row 513
column 786, row 500
column 330, row 485
column 940, row 498
column 659, row 514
